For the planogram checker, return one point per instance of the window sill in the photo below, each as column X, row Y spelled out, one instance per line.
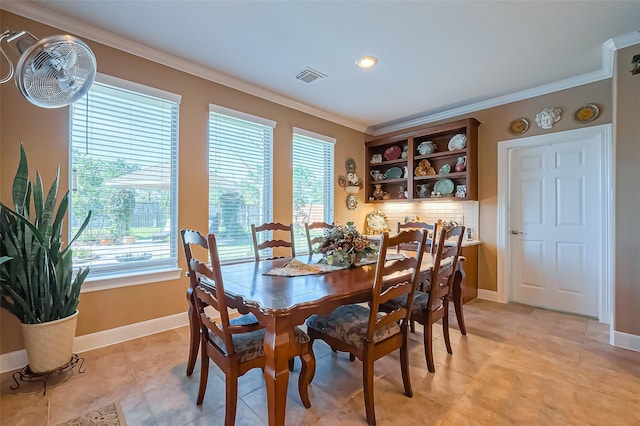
column 107, row 282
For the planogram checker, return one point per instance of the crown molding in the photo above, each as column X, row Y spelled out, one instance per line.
column 107, row 38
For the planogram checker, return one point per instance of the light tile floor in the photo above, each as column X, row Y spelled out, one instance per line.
column 517, row 365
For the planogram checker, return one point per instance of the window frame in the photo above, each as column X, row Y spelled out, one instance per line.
column 113, row 277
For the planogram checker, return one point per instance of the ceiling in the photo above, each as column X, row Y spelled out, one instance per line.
column 435, row 57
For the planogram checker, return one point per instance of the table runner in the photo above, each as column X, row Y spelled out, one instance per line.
column 296, row 268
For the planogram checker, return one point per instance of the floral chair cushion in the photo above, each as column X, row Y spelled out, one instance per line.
column 420, row 303
column 349, row 323
column 249, row 346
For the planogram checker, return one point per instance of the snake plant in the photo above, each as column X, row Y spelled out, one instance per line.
column 37, row 283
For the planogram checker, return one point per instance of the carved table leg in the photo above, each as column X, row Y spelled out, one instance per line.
column 457, row 295
column 276, row 370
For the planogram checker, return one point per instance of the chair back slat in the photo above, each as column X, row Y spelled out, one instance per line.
column 271, row 243
column 394, row 279
column 193, row 241
column 417, row 225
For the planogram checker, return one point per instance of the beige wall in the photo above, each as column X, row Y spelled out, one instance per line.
column 45, row 134
column 626, row 94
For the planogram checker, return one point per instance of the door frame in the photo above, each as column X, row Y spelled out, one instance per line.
column 606, row 307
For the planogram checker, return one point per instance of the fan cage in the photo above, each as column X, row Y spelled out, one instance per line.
column 56, row 71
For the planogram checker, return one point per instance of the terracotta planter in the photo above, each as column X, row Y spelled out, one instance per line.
column 49, row 345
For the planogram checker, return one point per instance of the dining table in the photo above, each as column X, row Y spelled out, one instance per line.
column 282, row 302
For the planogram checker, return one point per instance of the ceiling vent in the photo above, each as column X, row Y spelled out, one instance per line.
column 309, row 75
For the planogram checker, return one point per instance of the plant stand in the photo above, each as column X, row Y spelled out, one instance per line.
column 26, row 375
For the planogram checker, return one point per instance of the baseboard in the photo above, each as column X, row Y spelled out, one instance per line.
column 18, row 359
column 488, row 295
column 624, row 340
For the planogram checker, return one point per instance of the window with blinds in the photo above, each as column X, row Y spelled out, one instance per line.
column 124, row 140
column 312, row 182
column 240, row 179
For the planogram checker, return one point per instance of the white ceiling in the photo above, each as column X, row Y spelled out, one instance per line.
column 434, row 56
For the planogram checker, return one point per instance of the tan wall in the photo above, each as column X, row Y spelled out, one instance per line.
column 494, row 128
column 627, row 177
column 45, row 134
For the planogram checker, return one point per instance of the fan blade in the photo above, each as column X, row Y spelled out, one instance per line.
column 70, row 60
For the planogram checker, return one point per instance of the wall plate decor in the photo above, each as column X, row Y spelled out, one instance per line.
column 518, row 126
column 352, row 202
column 586, row 113
column 548, row 117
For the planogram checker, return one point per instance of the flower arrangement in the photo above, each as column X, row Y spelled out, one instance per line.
column 344, row 244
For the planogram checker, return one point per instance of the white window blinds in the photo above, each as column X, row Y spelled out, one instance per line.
column 240, row 179
column 124, row 169
column 312, row 182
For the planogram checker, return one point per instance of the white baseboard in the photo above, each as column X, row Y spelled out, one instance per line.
column 18, row 359
column 488, row 295
column 624, row 340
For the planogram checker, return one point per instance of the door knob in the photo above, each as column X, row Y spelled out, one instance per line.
column 514, row 232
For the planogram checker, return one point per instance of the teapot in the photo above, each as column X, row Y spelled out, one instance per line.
column 377, row 174
column 461, row 165
column 426, row 147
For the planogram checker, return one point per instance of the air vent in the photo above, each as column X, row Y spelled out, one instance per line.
column 309, row 75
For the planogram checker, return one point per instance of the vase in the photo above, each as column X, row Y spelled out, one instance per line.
column 49, row 345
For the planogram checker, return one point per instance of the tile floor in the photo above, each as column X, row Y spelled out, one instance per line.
column 517, row 366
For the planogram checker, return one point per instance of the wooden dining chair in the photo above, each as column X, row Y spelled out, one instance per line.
column 269, row 244
column 310, row 227
column 418, row 225
column 192, row 242
column 236, row 347
column 367, row 333
column 431, row 303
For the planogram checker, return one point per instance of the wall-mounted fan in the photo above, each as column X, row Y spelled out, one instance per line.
column 52, row 72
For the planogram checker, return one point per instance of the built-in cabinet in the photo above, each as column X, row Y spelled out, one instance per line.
column 421, row 165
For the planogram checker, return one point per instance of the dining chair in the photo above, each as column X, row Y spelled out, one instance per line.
column 431, row 303
column 236, row 347
column 367, row 333
column 418, row 225
column 310, row 227
column 268, row 244
column 193, row 241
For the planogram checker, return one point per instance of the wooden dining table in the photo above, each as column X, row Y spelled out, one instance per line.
column 280, row 303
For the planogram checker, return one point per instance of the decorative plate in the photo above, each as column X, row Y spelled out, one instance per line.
column 459, row 141
column 444, row 186
column 352, row 202
column 518, row 126
column 587, row 113
column 392, row 153
column 376, row 222
column 393, row 173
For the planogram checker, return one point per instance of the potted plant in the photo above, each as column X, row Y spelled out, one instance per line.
column 37, row 283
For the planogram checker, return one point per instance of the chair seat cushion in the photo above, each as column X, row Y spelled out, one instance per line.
column 420, row 303
column 349, row 324
column 249, row 345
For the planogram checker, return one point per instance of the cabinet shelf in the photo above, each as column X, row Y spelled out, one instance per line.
column 440, row 135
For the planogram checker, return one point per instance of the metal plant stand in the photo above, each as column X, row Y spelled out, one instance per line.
column 26, row 375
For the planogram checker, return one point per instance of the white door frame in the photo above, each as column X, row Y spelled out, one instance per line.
column 606, row 307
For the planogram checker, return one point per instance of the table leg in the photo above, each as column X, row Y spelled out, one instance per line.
column 194, row 332
column 457, row 296
column 276, row 370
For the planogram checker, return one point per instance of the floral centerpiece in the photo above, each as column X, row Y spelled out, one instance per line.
column 345, row 245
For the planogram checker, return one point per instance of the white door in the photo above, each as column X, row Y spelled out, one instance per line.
column 555, row 224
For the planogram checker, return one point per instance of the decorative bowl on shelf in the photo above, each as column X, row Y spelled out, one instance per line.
column 392, row 153
column 427, row 147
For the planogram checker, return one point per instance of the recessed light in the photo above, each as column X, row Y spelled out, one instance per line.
column 367, row 61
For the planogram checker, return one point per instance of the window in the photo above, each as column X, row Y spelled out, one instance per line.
column 124, row 140
column 240, row 179
column 312, row 182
